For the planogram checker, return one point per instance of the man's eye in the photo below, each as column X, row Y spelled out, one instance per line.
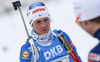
column 46, row 20
column 38, row 22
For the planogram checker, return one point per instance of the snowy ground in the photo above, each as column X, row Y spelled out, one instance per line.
column 13, row 35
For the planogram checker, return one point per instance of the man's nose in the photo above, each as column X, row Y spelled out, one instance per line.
column 43, row 24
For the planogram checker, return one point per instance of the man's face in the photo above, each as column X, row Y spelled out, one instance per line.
column 87, row 26
column 41, row 25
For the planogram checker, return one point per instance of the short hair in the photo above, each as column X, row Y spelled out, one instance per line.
column 96, row 20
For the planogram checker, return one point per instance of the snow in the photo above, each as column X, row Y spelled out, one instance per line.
column 13, row 34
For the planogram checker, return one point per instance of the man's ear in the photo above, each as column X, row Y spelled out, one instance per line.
column 85, row 22
column 32, row 25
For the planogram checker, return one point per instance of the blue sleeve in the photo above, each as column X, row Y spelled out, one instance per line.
column 25, row 54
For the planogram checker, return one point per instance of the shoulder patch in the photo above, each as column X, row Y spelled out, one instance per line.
column 25, row 55
column 93, row 56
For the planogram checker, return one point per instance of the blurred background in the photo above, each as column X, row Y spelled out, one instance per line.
column 13, row 34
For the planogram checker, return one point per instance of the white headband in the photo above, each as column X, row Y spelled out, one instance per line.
column 36, row 13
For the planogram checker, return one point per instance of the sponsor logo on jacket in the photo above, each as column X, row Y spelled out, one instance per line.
column 53, row 52
column 94, row 57
column 25, row 55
